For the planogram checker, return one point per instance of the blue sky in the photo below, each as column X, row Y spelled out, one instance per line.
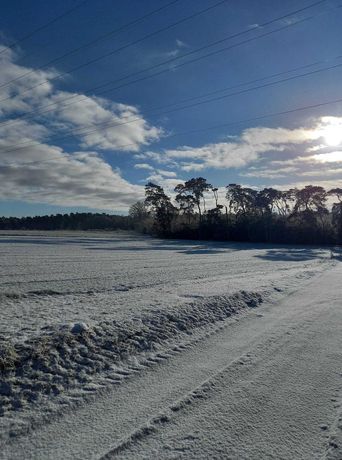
column 66, row 146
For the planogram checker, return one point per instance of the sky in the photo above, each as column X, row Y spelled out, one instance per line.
column 98, row 98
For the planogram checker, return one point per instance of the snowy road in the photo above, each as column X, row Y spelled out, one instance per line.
column 265, row 386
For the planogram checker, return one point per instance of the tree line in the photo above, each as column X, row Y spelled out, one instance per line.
column 298, row 215
column 72, row 221
column 199, row 210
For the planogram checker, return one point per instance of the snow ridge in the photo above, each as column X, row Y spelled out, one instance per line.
column 71, row 357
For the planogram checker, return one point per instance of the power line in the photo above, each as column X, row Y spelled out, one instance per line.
column 222, row 125
column 268, row 77
column 86, row 131
column 269, row 115
column 213, row 53
column 44, row 26
column 92, row 42
column 123, row 47
column 193, row 60
column 168, row 61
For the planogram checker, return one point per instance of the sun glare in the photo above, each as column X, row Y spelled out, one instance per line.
column 331, row 131
column 333, row 135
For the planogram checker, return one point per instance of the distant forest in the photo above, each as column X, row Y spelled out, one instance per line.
column 72, row 221
column 310, row 215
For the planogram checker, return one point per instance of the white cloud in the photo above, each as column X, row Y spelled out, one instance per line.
column 44, row 173
column 327, row 184
column 78, row 179
column 326, row 172
column 331, row 157
column 269, row 173
column 165, row 173
column 111, row 126
column 254, row 144
column 32, row 169
column 160, row 158
column 14, row 96
column 143, row 166
column 316, row 148
column 299, row 167
column 261, row 136
column 220, row 155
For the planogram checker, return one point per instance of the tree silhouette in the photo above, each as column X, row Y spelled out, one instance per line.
column 161, row 206
column 186, row 203
column 337, row 212
column 242, row 200
column 196, row 188
column 138, row 211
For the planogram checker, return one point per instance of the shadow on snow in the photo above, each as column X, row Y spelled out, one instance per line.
column 125, row 242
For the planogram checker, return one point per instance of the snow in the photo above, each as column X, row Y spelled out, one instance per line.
column 50, row 280
column 143, row 347
column 79, row 328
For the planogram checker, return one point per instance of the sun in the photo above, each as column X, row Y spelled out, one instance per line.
column 333, row 135
column 331, row 131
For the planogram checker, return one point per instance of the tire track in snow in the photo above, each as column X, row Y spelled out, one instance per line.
column 314, row 381
column 334, row 444
column 122, row 375
column 153, row 424
column 201, row 391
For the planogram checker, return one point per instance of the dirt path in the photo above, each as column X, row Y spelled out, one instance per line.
column 266, row 386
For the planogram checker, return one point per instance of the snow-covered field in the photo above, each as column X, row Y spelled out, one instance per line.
column 150, row 336
column 52, row 280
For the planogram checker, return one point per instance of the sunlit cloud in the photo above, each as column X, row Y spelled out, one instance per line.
column 331, row 157
column 254, row 144
column 291, row 148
